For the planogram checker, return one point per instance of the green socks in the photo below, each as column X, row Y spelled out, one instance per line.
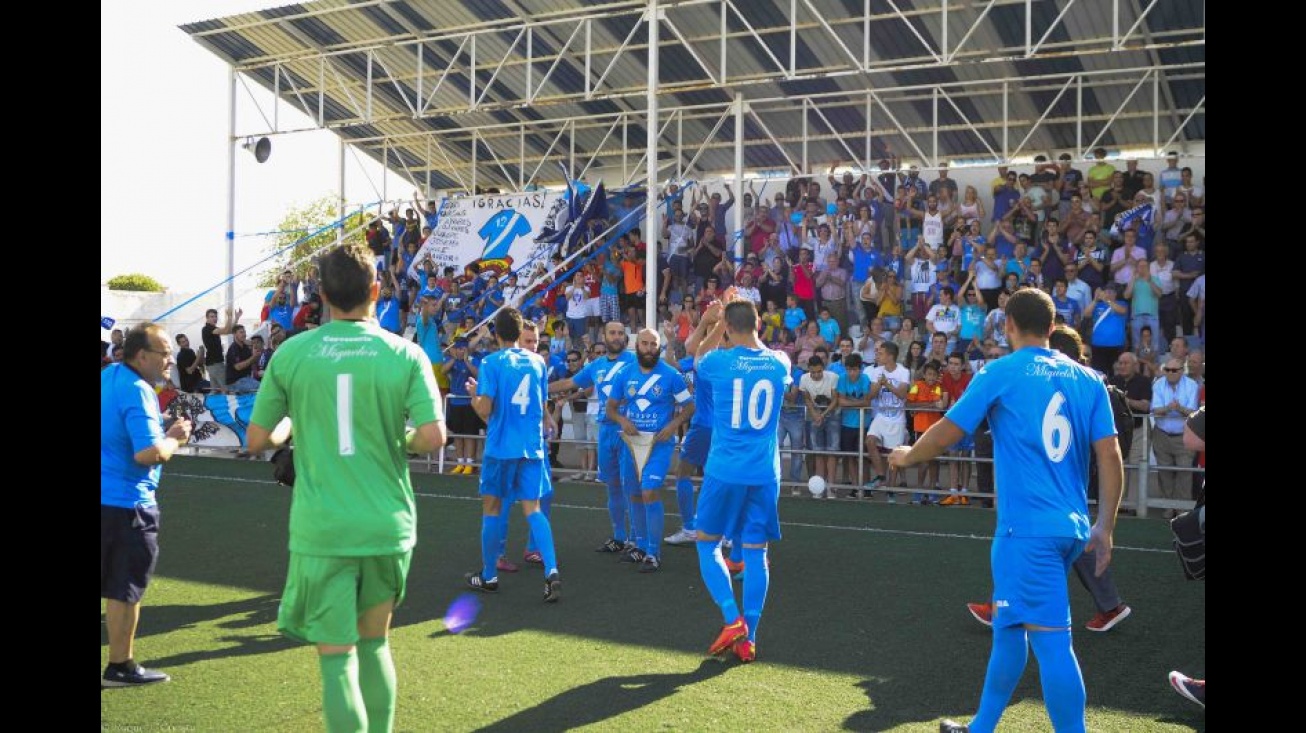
column 376, row 677
column 342, row 701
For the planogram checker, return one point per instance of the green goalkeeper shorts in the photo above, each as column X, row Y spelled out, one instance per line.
column 326, row 594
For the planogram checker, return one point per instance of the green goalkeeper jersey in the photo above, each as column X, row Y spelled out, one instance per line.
column 348, row 388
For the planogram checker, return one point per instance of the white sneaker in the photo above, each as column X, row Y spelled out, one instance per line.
column 683, row 537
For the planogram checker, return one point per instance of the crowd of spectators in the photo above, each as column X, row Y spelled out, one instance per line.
column 844, row 270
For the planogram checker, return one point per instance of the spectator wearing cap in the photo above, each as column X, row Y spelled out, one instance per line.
column 1171, row 175
column 1100, row 173
column 1005, row 197
column 464, row 424
column 1069, row 178
column 1108, row 320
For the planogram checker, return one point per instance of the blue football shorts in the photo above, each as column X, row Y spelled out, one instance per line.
column 610, row 450
column 513, row 479
column 1029, row 580
column 656, row 467
column 693, row 449
column 750, row 512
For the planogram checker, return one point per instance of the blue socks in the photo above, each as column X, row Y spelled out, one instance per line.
column 491, row 526
column 1063, row 685
column 685, row 502
column 542, row 533
column 1006, row 665
column 505, row 514
column 717, row 579
column 546, row 506
column 737, row 551
column 617, row 511
column 657, row 519
column 638, row 521
column 757, row 577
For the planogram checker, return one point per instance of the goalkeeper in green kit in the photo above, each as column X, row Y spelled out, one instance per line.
column 349, row 387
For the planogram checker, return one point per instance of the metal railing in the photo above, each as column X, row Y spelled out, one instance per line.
column 1137, row 492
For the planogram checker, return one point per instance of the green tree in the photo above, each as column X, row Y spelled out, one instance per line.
column 136, row 282
column 313, row 218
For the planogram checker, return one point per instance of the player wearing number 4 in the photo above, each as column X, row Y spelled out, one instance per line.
column 509, row 397
column 350, row 386
column 1046, row 413
column 741, row 482
column 643, row 403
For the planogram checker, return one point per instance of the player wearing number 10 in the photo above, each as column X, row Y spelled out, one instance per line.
column 1046, row 412
column 741, row 481
column 349, row 387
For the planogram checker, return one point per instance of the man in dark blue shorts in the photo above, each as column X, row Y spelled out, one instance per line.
column 134, row 445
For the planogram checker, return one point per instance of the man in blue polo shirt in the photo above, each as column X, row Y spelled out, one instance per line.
column 133, row 448
column 1046, row 413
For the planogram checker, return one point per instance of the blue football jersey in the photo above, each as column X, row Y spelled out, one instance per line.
column 1045, row 412
column 598, row 372
column 702, row 417
column 500, row 231
column 651, row 398
column 514, row 379
column 747, row 386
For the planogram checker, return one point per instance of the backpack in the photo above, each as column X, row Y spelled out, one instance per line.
column 1123, row 416
column 1124, row 420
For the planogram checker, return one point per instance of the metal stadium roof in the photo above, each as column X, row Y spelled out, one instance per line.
column 489, row 91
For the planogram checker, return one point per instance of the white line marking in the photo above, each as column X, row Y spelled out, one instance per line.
column 805, row 525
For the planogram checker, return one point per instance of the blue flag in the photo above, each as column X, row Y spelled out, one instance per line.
column 1143, row 211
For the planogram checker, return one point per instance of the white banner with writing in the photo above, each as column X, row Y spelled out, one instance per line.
column 495, row 232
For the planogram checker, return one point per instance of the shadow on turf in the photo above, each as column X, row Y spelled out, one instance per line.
column 239, row 615
column 606, row 698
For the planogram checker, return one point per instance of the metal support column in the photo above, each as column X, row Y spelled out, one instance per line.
column 651, row 188
column 739, row 178
column 231, row 188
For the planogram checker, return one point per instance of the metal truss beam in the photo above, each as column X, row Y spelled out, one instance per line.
column 402, row 56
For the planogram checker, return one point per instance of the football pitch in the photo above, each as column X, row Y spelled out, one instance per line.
column 865, row 626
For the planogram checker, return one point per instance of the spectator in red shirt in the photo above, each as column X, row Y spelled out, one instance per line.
column 956, row 378
column 805, row 283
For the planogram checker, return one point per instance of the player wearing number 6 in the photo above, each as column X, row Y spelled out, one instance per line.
column 1046, row 412
column 349, row 387
column 741, row 481
column 509, row 397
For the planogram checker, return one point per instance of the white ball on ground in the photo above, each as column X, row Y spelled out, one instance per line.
column 816, row 485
